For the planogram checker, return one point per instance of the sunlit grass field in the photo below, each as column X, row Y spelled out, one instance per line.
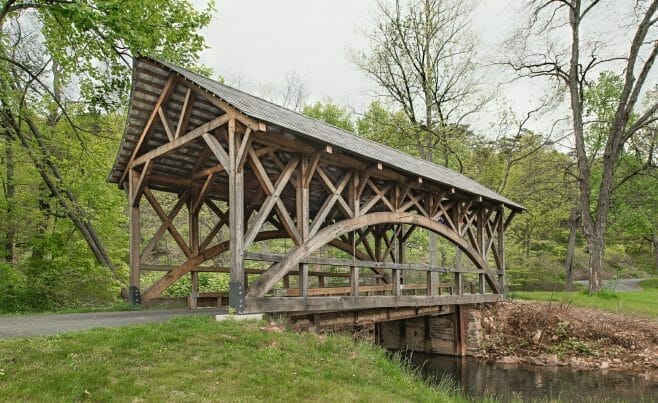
column 198, row 359
column 643, row 302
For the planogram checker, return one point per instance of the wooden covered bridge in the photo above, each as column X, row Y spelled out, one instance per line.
column 340, row 210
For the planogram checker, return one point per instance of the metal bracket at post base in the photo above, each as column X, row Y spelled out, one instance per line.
column 135, row 295
column 236, row 297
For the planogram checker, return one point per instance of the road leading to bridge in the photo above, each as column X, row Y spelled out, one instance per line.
column 41, row 325
column 625, row 284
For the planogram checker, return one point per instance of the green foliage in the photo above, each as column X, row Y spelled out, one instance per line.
column 13, row 286
column 603, row 294
column 331, row 113
column 79, row 35
column 650, row 283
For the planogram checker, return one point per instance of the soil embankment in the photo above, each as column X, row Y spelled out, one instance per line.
column 560, row 334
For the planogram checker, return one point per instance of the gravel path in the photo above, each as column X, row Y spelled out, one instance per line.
column 40, row 325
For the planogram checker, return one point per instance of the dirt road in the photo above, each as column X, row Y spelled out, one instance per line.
column 625, row 284
column 40, row 325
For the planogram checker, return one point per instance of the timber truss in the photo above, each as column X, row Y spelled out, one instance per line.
column 259, row 181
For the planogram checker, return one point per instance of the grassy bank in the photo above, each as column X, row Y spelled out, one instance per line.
column 196, row 358
column 634, row 302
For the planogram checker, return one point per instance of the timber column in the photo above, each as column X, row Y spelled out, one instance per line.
column 236, row 222
column 134, row 296
column 302, row 207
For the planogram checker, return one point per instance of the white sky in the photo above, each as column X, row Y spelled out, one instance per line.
column 258, row 42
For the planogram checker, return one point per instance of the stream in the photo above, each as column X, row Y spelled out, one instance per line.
column 478, row 379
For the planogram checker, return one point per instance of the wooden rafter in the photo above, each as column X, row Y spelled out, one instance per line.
column 164, row 95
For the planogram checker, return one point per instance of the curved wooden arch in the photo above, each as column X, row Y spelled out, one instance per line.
column 267, row 280
column 172, row 276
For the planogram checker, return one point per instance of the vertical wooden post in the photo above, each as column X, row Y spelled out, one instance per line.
column 354, row 281
column 456, row 218
column 354, row 205
column 481, row 247
column 397, row 289
column 459, row 287
column 134, row 296
column 460, row 331
column 194, row 247
column 302, row 207
column 501, row 250
column 400, row 258
column 236, row 223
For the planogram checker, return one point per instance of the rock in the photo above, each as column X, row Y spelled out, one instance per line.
column 509, row 359
column 549, row 359
column 535, row 361
column 575, row 362
column 604, row 365
column 654, row 363
column 537, row 336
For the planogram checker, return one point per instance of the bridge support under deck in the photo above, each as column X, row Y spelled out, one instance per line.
column 455, row 331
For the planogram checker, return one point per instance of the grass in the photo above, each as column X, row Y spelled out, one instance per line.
column 634, row 302
column 198, row 359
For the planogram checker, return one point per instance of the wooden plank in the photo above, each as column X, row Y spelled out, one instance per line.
column 314, row 292
column 330, row 202
column 165, row 224
column 245, row 144
column 135, row 241
column 237, row 287
column 201, row 196
column 181, row 141
column 217, row 149
column 164, row 95
column 186, row 111
column 141, row 184
column 165, row 123
column 274, row 192
column 171, row 228
column 354, row 281
column 325, row 261
column 343, row 303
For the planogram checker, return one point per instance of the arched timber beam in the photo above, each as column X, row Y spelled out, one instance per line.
column 173, row 275
column 267, row 280
column 168, row 279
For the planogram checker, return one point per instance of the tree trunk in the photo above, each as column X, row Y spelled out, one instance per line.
column 654, row 247
column 10, row 234
column 46, row 167
column 43, row 203
column 595, row 245
column 571, row 248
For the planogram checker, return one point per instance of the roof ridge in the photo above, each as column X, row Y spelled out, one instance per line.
column 428, row 164
column 316, row 119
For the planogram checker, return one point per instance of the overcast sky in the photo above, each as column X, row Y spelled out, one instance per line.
column 256, row 42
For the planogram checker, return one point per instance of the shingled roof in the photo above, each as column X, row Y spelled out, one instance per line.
column 306, row 126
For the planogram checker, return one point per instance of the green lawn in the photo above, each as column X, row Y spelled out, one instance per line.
column 643, row 302
column 197, row 359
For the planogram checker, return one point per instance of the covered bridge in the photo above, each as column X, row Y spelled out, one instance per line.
column 258, row 172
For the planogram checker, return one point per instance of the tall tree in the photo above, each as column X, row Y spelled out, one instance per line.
column 539, row 49
column 422, row 57
column 60, row 58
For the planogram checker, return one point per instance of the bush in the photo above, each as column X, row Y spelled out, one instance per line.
column 55, row 284
column 73, row 280
column 13, row 286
